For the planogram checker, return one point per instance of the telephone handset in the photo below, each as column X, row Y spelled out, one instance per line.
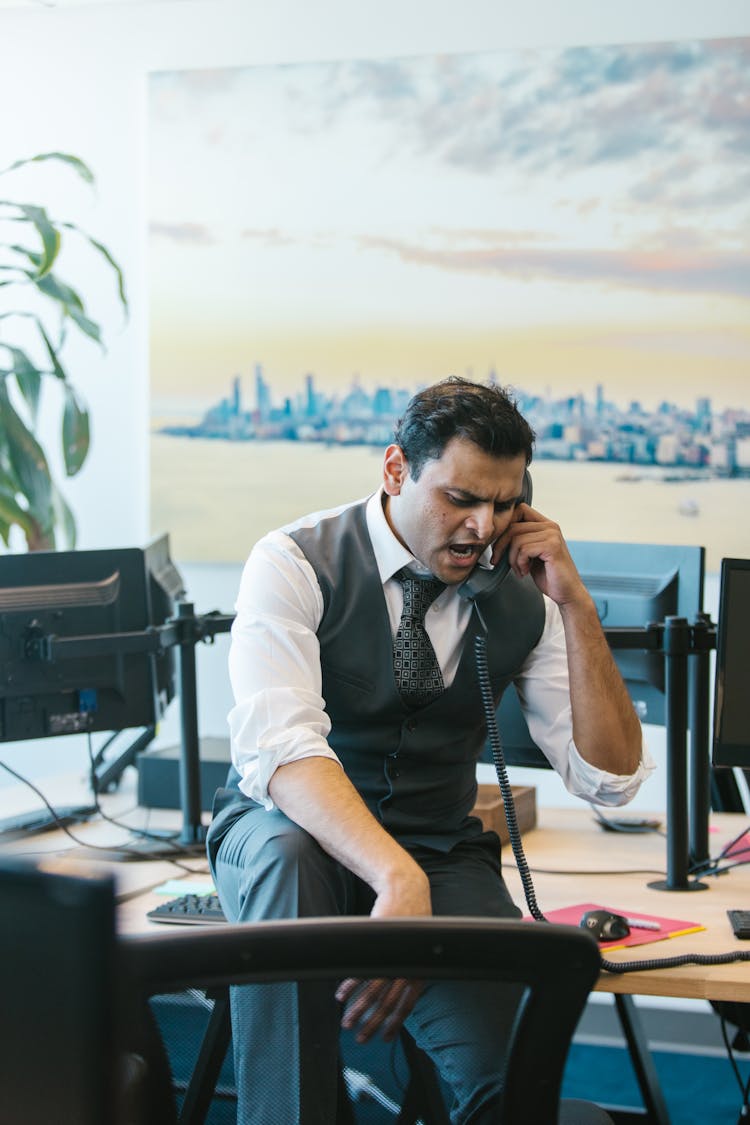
column 481, row 583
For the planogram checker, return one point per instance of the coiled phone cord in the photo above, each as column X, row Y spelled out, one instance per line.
column 488, row 703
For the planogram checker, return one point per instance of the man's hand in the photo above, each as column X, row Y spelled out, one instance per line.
column 536, row 546
column 377, row 1005
column 317, row 794
column 383, row 1005
column 605, row 726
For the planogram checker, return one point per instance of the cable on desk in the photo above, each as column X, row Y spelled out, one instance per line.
column 588, row 871
column 713, row 868
column 629, row 826
column 101, row 847
column 144, row 833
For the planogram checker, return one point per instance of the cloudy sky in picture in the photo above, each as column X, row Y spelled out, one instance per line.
column 561, row 218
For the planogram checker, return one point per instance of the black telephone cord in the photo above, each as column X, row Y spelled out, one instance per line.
column 498, row 758
column 488, row 703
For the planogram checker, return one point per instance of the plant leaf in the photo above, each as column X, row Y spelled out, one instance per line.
column 28, row 463
column 11, row 513
column 76, row 436
column 71, row 304
column 64, row 518
column 108, row 257
column 88, row 326
column 28, row 377
column 77, row 164
column 48, row 233
column 57, row 368
column 52, row 287
column 32, row 256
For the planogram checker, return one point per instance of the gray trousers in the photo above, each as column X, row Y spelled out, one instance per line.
column 286, row 1036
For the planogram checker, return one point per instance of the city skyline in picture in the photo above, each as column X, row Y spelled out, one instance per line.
column 561, row 217
column 573, row 223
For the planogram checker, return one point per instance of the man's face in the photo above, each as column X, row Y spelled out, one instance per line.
column 460, row 504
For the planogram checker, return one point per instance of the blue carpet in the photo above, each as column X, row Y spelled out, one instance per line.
column 698, row 1089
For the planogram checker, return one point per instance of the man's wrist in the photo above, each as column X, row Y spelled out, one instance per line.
column 399, row 874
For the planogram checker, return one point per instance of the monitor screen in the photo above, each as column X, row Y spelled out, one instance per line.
column 632, row 584
column 732, row 684
column 83, row 594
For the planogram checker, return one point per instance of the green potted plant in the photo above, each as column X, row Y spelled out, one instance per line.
column 37, row 310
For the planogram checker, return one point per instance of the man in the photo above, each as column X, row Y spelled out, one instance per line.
column 353, row 788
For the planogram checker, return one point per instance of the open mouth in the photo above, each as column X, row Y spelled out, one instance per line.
column 464, row 552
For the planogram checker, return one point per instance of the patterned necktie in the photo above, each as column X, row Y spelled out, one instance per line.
column 417, row 672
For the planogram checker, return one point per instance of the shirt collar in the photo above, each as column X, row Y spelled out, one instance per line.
column 390, row 555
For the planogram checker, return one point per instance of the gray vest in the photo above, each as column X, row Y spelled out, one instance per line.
column 415, row 769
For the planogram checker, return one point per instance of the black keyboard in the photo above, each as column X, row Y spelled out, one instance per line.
column 189, row 910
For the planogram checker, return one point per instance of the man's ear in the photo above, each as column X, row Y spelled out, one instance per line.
column 395, row 470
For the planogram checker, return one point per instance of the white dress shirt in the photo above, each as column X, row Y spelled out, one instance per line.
column 274, row 664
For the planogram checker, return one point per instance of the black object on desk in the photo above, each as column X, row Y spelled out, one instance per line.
column 740, row 923
column 190, row 909
column 42, row 820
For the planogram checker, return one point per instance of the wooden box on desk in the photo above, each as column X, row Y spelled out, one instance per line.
column 490, row 808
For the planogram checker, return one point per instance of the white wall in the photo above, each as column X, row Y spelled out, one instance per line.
column 75, row 79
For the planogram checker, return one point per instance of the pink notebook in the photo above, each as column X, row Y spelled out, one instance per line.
column 668, row 927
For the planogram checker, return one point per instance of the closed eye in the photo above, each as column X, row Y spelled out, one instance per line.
column 461, row 501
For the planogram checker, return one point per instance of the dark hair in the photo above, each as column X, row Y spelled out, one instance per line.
column 480, row 412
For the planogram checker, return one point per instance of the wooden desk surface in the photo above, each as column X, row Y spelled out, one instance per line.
column 572, row 860
column 614, row 869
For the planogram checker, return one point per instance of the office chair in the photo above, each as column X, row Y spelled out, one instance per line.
column 556, row 965
column 59, row 1059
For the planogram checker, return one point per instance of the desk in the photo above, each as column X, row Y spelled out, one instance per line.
column 571, row 840
column 614, row 869
column 589, row 865
column 564, row 840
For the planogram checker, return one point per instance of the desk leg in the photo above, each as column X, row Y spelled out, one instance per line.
column 642, row 1060
column 216, row 1039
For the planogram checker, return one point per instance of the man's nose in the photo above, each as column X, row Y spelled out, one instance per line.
column 481, row 520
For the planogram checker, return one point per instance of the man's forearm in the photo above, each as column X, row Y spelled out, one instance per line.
column 605, row 726
column 316, row 794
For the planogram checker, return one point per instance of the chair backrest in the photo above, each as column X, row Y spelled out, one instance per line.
column 57, row 983
column 558, row 966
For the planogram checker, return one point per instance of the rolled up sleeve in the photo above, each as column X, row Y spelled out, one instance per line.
column 544, row 692
column 274, row 666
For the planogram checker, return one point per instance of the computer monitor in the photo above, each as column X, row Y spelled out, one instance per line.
column 49, row 596
column 731, row 739
column 633, row 585
column 164, row 589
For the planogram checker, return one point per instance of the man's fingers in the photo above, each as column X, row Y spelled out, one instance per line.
column 346, row 988
column 499, row 548
column 406, row 1001
column 376, row 1004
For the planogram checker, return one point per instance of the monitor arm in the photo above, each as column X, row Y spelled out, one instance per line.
column 183, row 632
